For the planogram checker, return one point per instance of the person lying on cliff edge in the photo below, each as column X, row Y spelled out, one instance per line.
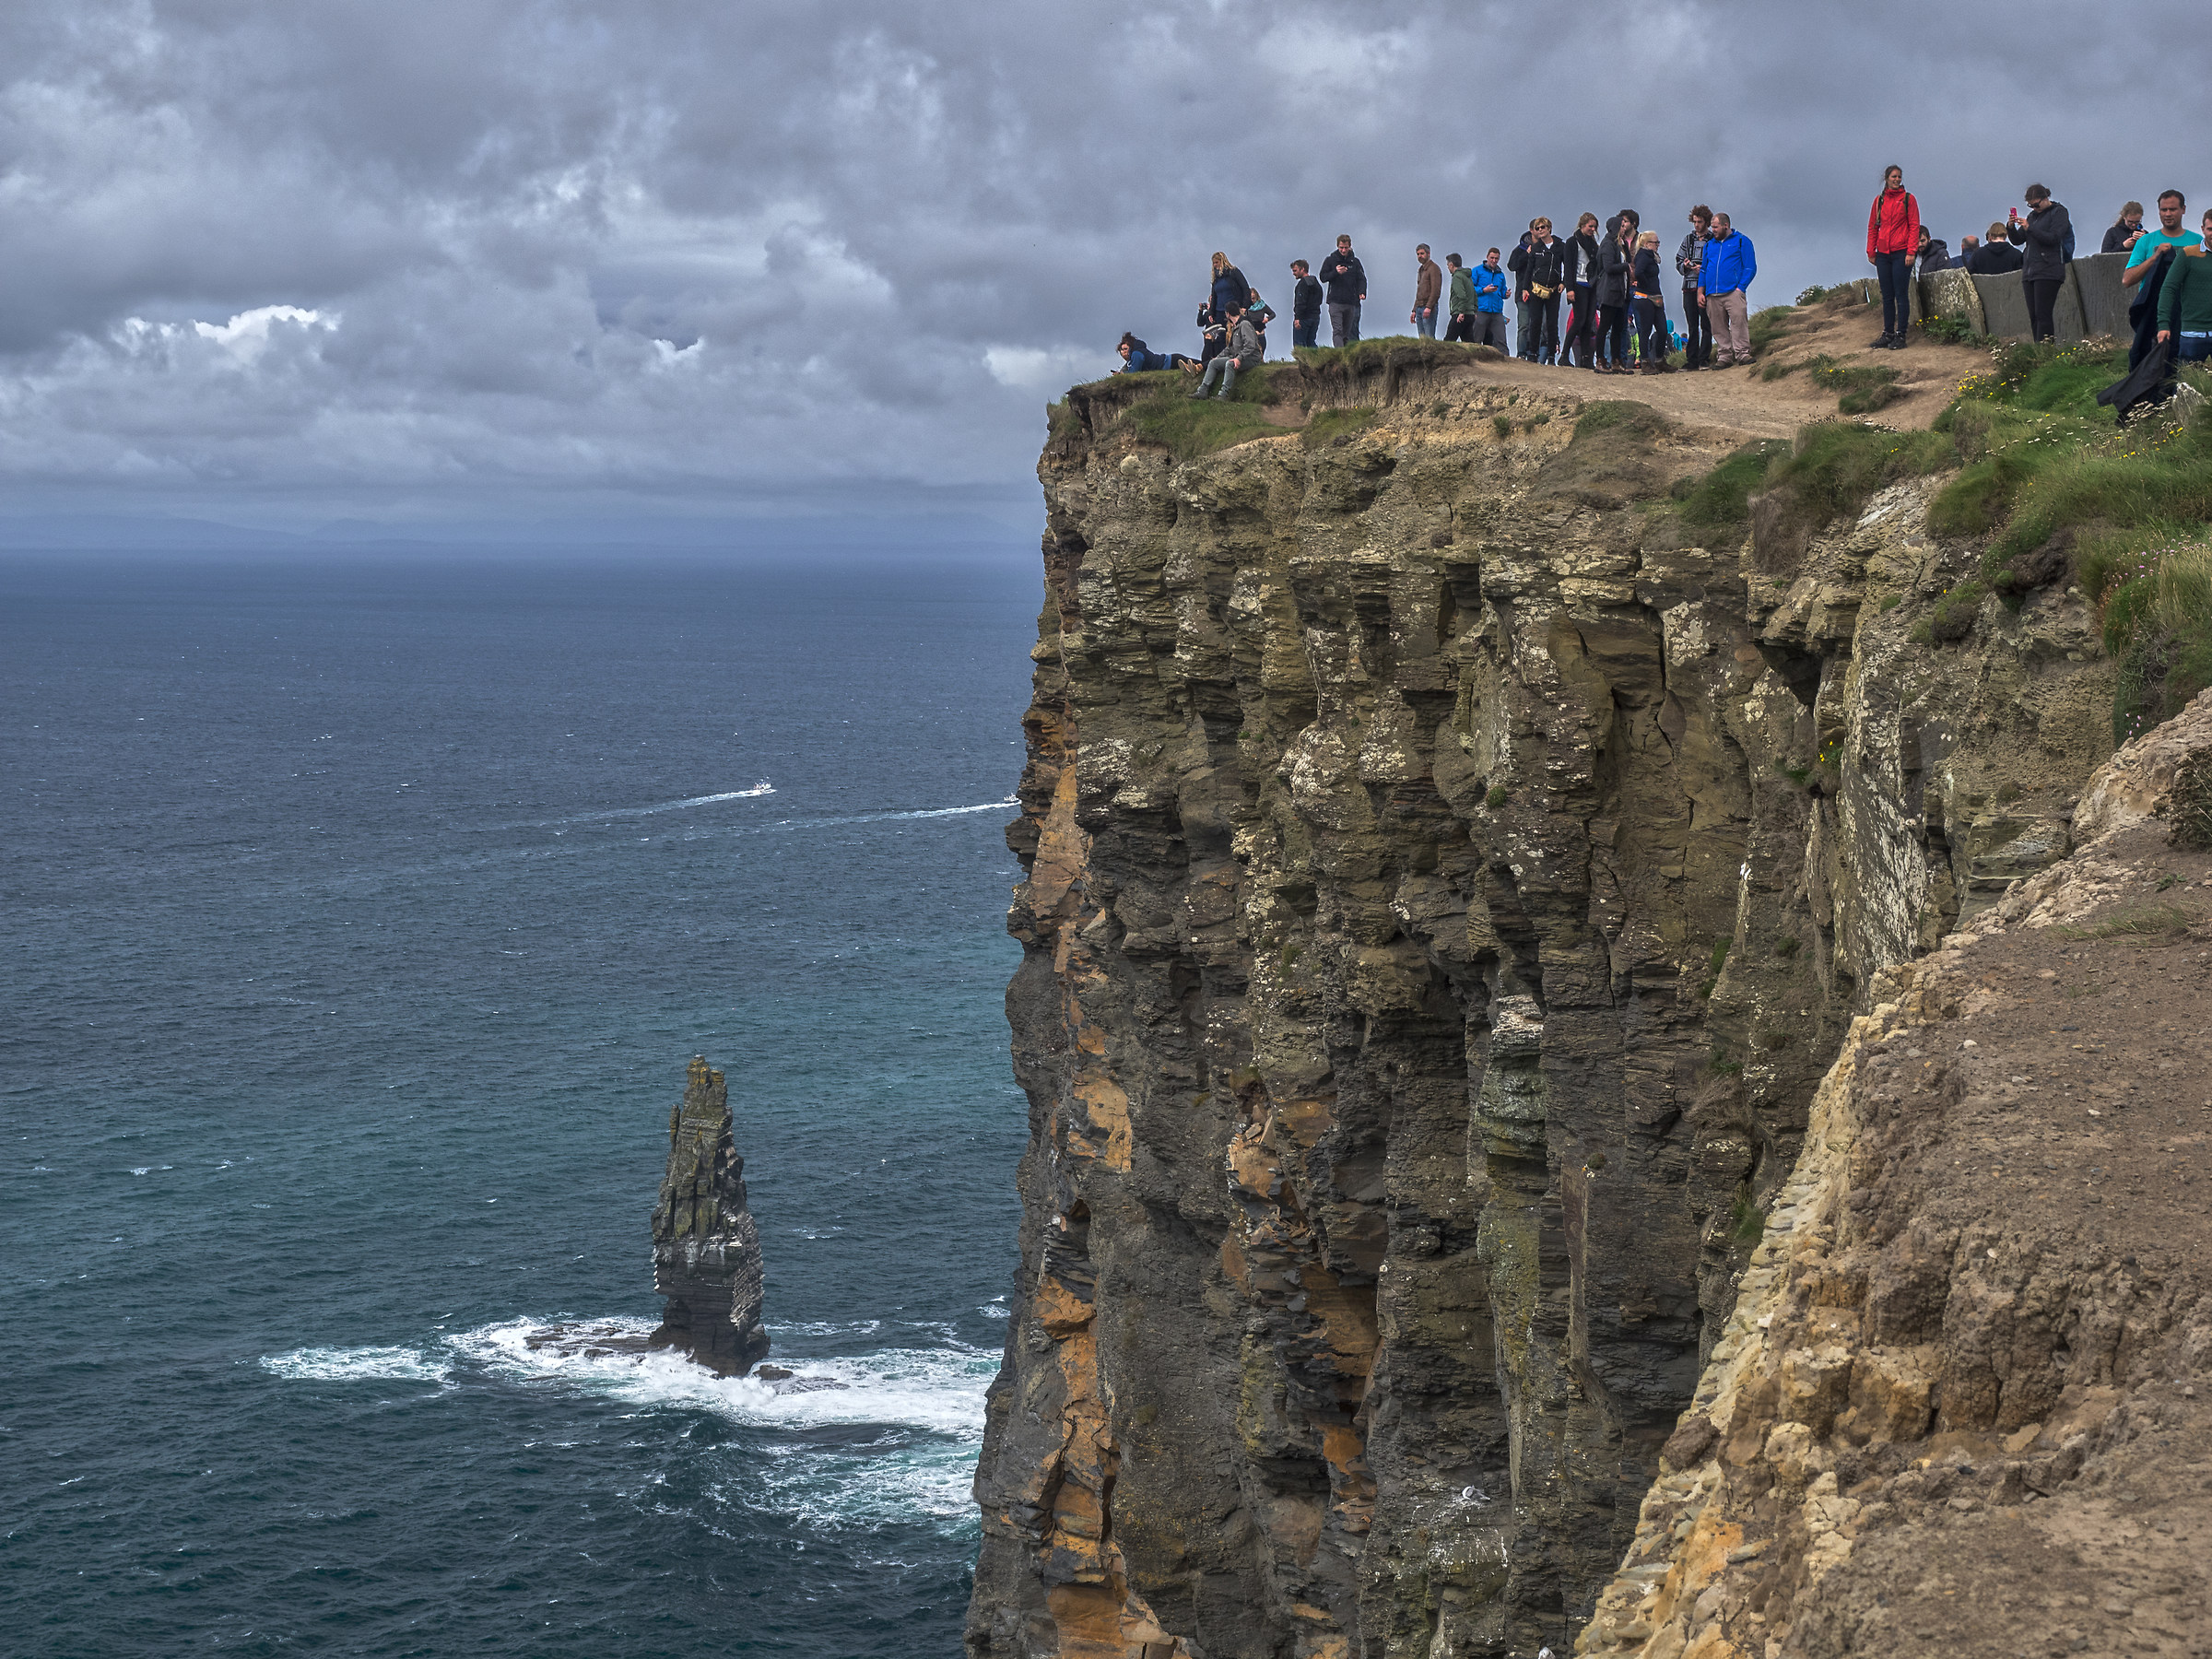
column 1244, row 350
column 2185, row 301
column 1723, row 289
column 1893, row 236
column 1138, row 359
column 2041, row 237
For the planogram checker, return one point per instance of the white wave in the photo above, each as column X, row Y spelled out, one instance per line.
column 762, row 788
column 350, row 1364
column 936, row 1390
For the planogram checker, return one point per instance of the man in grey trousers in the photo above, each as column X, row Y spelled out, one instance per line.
column 1345, row 280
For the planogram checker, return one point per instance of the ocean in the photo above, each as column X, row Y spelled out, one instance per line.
column 361, row 918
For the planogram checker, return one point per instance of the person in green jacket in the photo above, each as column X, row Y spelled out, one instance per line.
column 2185, row 302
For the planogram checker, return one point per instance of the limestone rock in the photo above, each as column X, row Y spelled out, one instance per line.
column 706, row 1250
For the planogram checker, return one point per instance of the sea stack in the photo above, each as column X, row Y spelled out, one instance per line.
column 706, row 1251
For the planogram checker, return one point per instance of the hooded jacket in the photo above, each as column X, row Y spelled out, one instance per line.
column 1462, row 293
column 1994, row 259
column 1936, row 256
column 1582, row 258
column 1344, row 276
column 1893, row 223
column 2042, row 238
column 1731, row 262
column 1489, row 290
column 1245, row 345
column 1542, row 264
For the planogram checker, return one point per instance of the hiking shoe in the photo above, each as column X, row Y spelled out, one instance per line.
column 1881, row 344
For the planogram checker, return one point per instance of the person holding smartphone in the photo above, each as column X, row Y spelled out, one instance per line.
column 2041, row 237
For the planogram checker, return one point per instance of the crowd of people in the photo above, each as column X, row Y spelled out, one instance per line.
column 1597, row 300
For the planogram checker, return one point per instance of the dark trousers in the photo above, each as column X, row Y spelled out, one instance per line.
column 1581, row 344
column 1305, row 331
column 1894, row 272
column 1613, row 334
column 1525, row 327
column 1478, row 328
column 1344, row 324
column 1697, row 330
column 2042, row 304
column 1543, row 328
column 1650, row 330
column 1461, row 327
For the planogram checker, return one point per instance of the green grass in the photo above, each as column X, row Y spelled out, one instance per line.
column 1502, row 425
column 2058, row 492
column 1603, row 416
column 1496, row 798
column 1747, row 1221
column 1770, row 326
column 1720, row 961
column 1835, row 467
column 1189, row 427
column 1329, row 426
column 1719, row 500
column 1954, row 615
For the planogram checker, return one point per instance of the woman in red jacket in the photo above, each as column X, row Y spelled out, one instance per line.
column 1892, row 238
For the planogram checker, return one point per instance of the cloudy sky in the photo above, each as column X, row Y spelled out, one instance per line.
column 484, row 262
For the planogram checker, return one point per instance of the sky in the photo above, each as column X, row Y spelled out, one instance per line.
column 505, row 268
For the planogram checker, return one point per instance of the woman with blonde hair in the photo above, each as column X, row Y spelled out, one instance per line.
column 1651, row 308
column 1230, row 292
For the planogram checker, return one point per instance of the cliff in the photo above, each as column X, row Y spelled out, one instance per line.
column 1461, row 824
column 706, row 1250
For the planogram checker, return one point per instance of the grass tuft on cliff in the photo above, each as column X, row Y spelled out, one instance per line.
column 1166, row 413
column 2061, row 493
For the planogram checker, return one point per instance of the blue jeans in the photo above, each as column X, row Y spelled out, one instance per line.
column 1223, row 368
column 2192, row 348
column 1895, row 270
column 1305, row 331
column 1425, row 321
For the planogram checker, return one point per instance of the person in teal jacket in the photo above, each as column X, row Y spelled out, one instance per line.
column 1724, row 285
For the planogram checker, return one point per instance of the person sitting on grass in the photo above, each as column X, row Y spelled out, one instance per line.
column 1242, row 351
column 1138, row 359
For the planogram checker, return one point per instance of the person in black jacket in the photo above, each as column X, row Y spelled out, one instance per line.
column 1995, row 256
column 1345, row 280
column 1609, row 293
column 2041, row 237
column 1305, row 306
column 1580, row 252
column 1524, row 320
column 1543, row 273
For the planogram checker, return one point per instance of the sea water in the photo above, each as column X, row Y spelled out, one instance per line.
column 361, row 918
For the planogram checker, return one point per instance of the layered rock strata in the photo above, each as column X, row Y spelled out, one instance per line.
column 1446, row 883
column 706, row 1250
column 1957, row 1403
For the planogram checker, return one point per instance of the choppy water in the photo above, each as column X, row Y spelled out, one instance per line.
column 359, row 922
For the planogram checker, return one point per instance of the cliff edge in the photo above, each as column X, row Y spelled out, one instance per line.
column 1462, row 824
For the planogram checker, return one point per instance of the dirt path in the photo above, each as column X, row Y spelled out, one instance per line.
column 1738, row 401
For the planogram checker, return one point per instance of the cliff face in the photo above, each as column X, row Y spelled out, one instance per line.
column 1956, row 1399
column 1448, row 878
column 706, row 1250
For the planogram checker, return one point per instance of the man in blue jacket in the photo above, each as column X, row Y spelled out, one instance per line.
column 1723, row 284
column 1478, row 305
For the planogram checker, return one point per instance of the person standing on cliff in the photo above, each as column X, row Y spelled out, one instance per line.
column 2148, row 263
column 2120, row 235
column 1611, row 289
column 1427, row 292
column 1543, row 271
column 1651, row 308
column 1525, row 321
column 1346, row 279
column 2041, row 237
column 1723, row 289
column 1580, row 347
column 2185, row 301
column 1690, row 259
column 1305, row 306
column 1229, row 290
column 1893, row 243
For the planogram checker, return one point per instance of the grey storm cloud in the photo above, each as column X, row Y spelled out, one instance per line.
column 730, row 253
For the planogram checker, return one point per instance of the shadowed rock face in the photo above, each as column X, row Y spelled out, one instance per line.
column 1446, row 883
column 706, row 1251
